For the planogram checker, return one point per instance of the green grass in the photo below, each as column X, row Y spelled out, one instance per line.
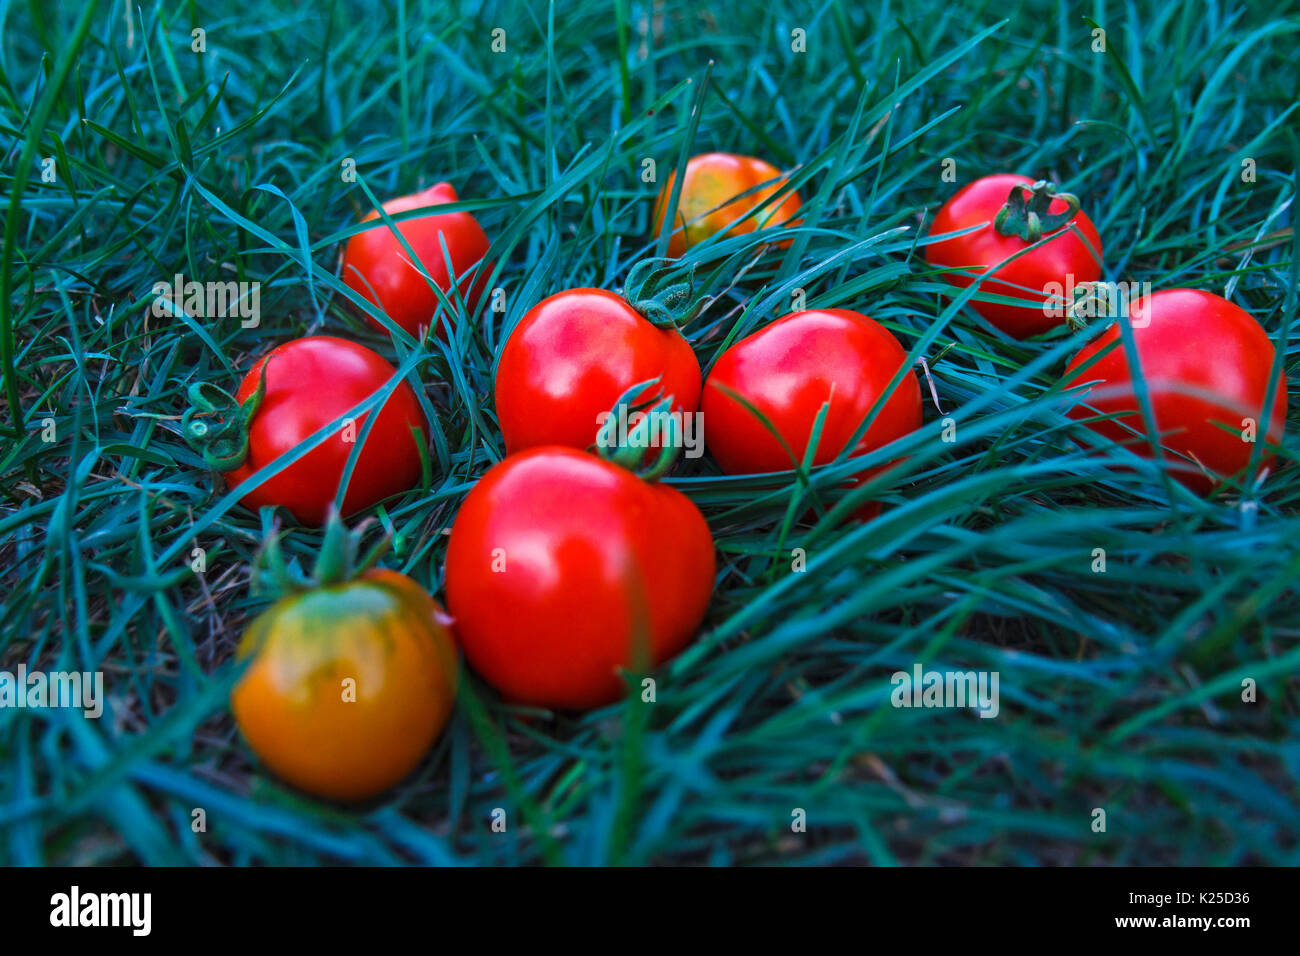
column 1119, row 690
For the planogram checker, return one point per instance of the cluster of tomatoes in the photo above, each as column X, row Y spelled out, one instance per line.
column 1206, row 365
column 569, row 566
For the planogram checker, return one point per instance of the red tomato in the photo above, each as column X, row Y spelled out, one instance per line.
column 377, row 266
column 382, row 632
column 559, row 562
column 707, row 204
column 1186, row 339
column 571, row 358
column 1071, row 257
column 309, row 383
column 787, row 371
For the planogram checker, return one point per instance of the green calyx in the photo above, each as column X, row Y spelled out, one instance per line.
column 1029, row 218
column 340, row 559
column 1074, row 320
column 662, row 290
column 216, row 424
column 627, row 443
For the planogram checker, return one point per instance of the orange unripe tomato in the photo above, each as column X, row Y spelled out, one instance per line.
column 379, row 637
column 705, row 206
column 377, row 266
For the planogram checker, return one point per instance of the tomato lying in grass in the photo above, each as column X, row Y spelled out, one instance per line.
column 1207, row 366
column 377, row 266
column 572, row 356
column 563, row 568
column 349, row 684
column 787, row 371
column 1017, row 212
column 708, row 205
column 309, row 383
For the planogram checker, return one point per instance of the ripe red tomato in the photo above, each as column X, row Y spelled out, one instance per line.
column 1186, row 340
column 388, row 637
column 377, row 266
column 309, row 383
column 787, row 371
column 559, row 562
column 571, row 358
column 1070, row 258
column 705, row 206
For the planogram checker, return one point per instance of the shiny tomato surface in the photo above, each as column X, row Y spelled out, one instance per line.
column 573, row 356
column 1073, row 256
column 563, row 569
column 377, row 266
column 705, row 206
column 1207, row 364
column 348, row 685
column 309, row 383
column 787, row 371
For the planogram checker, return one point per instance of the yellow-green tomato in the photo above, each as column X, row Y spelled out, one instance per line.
column 349, row 685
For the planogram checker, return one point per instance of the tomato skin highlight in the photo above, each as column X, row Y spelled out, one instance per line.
column 382, row 631
column 377, row 266
column 557, row 559
column 1186, row 338
column 787, row 370
column 710, row 181
column 309, row 383
column 979, row 251
column 571, row 358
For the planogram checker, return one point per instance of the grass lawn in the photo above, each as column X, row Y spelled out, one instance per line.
column 131, row 158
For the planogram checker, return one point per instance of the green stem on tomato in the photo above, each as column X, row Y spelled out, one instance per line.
column 1074, row 322
column 339, row 560
column 216, row 424
column 632, row 455
column 1029, row 219
column 662, row 290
